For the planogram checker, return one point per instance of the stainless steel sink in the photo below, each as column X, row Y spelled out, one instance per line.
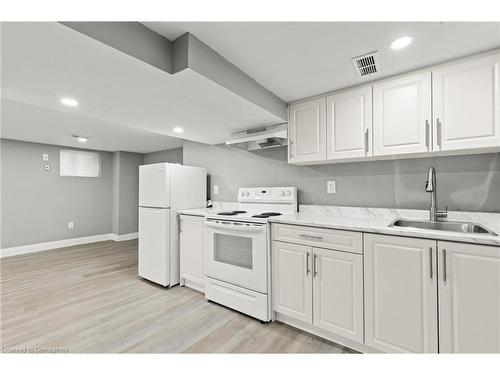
column 450, row 226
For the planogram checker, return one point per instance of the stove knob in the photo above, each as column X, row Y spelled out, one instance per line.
column 288, row 193
column 282, row 193
column 242, row 193
column 247, row 193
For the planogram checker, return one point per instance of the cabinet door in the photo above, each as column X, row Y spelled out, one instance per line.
column 400, row 294
column 307, row 131
column 338, row 293
column 469, row 298
column 349, row 124
column 191, row 247
column 402, row 115
column 292, row 280
column 467, row 104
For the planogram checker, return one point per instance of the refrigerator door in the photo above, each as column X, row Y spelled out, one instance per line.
column 154, row 247
column 154, row 185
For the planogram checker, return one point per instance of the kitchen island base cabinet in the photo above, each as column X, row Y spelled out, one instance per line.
column 319, row 287
column 191, row 252
column 469, row 298
column 400, row 282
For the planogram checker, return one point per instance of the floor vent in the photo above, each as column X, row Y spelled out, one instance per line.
column 367, row 65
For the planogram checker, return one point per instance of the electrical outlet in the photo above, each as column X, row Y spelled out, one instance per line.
column 71, row 225
column 331, row 187
column 45, row 157
column 216, row 189
column 47, row 167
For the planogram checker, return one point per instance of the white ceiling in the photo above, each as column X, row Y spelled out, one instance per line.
column 41, row 62
column 296, row 60
column 32, row 123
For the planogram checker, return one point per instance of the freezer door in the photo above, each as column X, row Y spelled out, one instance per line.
column 154, row 185
column 154, row 254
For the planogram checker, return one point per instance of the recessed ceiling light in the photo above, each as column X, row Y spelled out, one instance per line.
column 70, row 102
column 402, row 42
column 178, row 130
column 79, row 138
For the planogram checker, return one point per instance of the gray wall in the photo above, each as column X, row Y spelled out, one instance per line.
column 37, row 205
column 174, row 155
column 126, row 191
column 469, row 182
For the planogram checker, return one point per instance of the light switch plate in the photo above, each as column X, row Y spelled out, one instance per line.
column 47, row 167
column 71, row 225
column 216, row 189
column 45, row 157
column 331, row 187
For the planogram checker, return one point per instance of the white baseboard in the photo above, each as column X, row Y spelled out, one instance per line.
column 43, row 246
column 124, row 237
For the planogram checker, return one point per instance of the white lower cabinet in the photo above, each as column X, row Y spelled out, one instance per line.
column 191, row 251
column 338, row 293
column 292, row 280
column 319, row 287
column 400, row 294
column 469, row 298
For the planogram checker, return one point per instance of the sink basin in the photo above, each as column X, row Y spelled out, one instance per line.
column 450, row 226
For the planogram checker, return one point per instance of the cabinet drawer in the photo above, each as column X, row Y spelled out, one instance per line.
column 320, row 237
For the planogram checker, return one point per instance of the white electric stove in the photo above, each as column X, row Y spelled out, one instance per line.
column 237, row 249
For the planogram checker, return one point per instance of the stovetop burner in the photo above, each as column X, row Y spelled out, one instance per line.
column 231, row 213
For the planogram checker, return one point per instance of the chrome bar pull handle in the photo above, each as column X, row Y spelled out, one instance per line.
column 315, row 269
column 439, row 131
column 307, row 263
column 290, row 146
column 444, row 265
column 367, row 138
column 428, row 134
column 310, row 236
column 431, row 270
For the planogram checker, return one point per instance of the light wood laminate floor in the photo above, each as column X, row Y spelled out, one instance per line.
column 89, row 299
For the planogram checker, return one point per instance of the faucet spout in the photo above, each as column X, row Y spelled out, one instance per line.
column 431, row 180
column 431, row 187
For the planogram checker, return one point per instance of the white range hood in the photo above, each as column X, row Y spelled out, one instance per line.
column 258, row 139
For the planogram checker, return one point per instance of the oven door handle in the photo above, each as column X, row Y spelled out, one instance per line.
column 240, row 228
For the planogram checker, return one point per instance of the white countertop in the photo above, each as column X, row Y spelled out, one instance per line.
column 377, row 220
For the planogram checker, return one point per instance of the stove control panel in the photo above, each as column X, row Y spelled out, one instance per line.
column 268, row 194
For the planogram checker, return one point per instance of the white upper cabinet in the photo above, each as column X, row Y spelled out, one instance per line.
column 349, row 124
column 307, row 131
column 466, row 98
column 469, row 298
column 400, row 281
column 402, row 115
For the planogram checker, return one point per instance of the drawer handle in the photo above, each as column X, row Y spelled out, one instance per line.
column 310, row 236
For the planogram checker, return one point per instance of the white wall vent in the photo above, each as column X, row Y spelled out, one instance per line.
column 367, row 65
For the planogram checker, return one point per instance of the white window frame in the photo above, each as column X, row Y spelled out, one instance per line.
column 74, row 163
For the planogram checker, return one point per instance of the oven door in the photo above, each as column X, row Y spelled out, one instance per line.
column 236, row 253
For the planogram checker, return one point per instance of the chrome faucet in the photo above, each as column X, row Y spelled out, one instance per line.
column 430, row 187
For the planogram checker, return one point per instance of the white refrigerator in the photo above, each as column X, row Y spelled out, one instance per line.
column 165, row 188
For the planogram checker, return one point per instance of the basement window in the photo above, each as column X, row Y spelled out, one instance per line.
column 79, row 163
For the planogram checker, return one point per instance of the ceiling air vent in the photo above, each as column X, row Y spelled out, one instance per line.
column 367, row 65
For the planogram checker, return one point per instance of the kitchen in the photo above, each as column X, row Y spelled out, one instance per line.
column 166, row 191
